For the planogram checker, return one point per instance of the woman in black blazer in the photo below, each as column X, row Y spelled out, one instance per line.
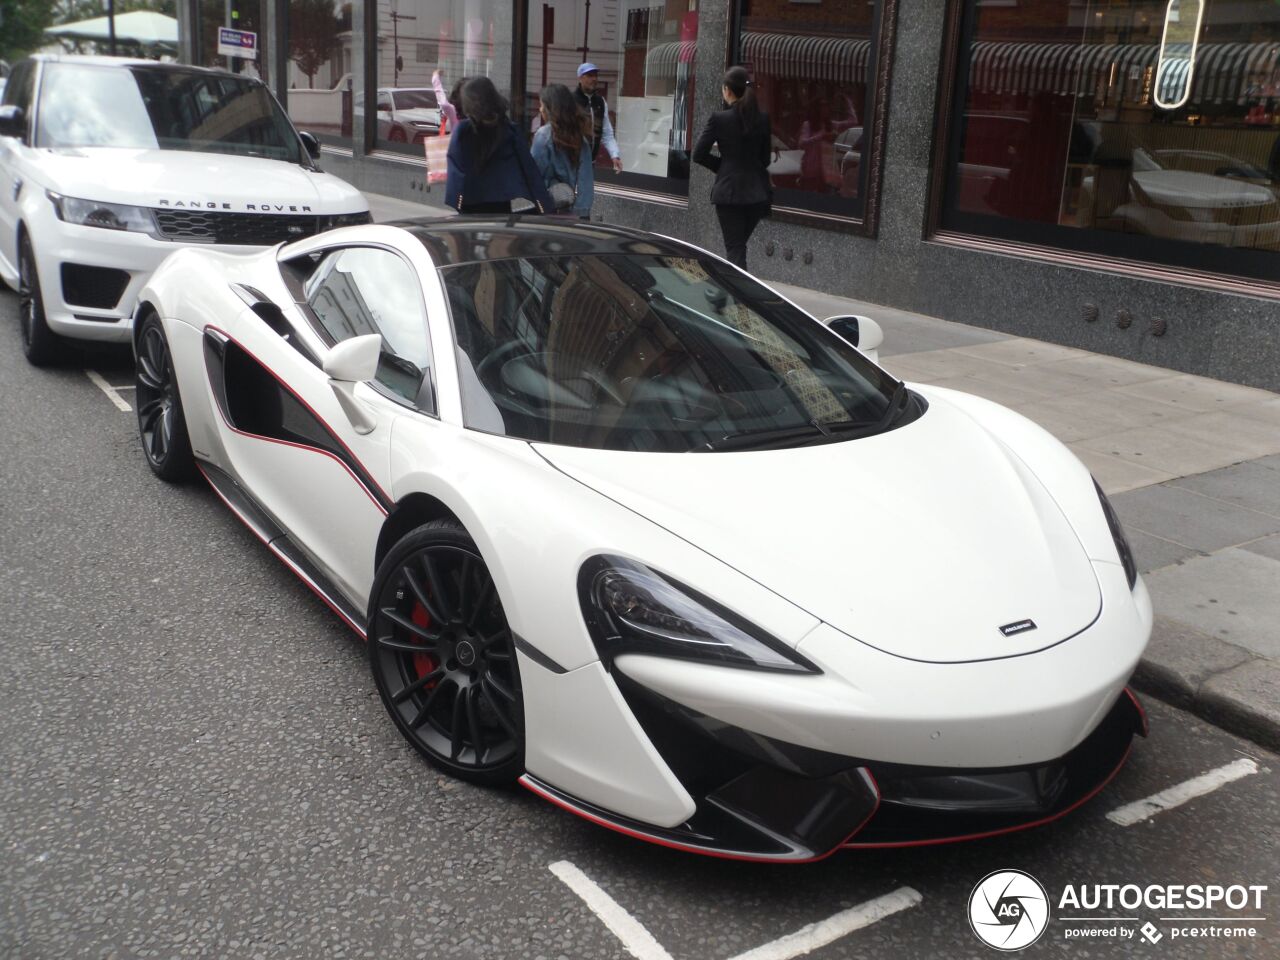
column 742, row 192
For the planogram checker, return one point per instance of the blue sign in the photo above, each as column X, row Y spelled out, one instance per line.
column 237, row 43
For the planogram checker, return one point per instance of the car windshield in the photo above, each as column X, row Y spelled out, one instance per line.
column 82, row 105
column 652, row 353
column 414, row 99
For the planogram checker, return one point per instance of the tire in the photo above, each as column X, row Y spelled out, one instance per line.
column 453, row 690
column 162, row 427
column 41, row 346
column 397, row 135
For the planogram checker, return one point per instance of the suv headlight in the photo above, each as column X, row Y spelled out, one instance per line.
column 108, row 216
column 1117, row 534
column 335, row 220
column 630, row 608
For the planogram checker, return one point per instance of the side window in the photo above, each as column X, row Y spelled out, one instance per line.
column 361, row 290
column 384, row 102
column 17, row 90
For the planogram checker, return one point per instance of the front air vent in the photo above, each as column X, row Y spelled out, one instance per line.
column 98, row 287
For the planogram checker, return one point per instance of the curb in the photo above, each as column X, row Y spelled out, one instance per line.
column 1228, row 686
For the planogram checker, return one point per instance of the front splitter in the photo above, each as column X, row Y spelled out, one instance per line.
column 775, row 816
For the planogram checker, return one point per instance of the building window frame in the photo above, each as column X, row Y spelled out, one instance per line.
column 950, row 102
column 881, row 68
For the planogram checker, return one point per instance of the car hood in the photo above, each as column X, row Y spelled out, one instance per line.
column 206, row 181
column 922, row 542
column 1183, row 188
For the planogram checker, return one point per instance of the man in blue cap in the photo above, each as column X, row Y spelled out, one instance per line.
column 589, row 100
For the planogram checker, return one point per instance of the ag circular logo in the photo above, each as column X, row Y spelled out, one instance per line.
column 1008, row 910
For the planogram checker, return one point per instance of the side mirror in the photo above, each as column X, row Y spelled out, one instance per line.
column 13, row 122
column 311, row 143
column 863, row 332
column 354, row 360
column 348, row 363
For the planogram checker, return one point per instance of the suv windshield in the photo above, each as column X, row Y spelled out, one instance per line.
column 652, row 353
column 414, row 99
column 142, row 107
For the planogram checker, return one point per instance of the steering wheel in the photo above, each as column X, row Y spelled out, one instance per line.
column 493, row 362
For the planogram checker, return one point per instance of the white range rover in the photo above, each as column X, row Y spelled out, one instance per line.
column 108, row 165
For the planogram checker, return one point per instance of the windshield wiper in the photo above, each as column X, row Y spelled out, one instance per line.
column 841, row 429
column 896, row 403
column 764, row 439
column 813, row 432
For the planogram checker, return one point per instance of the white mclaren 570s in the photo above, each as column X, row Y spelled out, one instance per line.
column 624, row 524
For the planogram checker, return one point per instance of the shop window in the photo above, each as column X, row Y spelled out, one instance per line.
column 815, row 69
column 645, row 52
column 321, row 88
column 416, row 43
column 1136, row 129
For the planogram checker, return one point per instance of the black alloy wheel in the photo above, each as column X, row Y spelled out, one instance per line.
column 40, row 345
column 161, row 424
column 443, row 656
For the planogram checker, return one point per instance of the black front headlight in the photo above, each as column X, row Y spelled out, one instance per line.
column 335, row 220
column 630, row 608
column 1117, row 534
column 106, row 216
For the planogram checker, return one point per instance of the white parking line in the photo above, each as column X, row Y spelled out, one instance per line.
column 638, row 941
column 96, row 379
column 816, row 935
column 1175, row 796
column 641, row 944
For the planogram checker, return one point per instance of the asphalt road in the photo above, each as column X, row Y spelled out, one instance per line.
column 194, row 763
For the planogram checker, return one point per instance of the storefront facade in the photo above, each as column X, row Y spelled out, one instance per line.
column 1098, row 173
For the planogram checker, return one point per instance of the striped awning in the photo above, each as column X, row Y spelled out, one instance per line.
column 834, row 59
column 1224, row 72
column 663, row 59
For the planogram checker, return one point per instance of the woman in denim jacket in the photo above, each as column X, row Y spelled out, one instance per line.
column 562, row 147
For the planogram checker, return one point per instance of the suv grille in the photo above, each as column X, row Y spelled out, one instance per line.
column 257, row 229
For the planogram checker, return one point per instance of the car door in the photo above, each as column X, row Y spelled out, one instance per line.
column 306, row 460
column 18, row 92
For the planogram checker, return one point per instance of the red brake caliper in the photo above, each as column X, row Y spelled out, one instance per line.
column 423, row 663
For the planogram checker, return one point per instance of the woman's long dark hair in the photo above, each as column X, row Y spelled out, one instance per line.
column 739, row 83
column 487, row 111
column 455, row 95
column 570, row 124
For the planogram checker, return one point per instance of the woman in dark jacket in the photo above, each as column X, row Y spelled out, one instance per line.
column 742, row 191
column 489, row 164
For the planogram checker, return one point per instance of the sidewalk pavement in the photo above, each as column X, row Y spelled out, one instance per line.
column 1192, row 466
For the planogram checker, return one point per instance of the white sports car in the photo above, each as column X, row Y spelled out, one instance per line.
column 621, row 522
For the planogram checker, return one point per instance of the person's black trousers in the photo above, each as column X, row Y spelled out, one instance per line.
column 737, row 222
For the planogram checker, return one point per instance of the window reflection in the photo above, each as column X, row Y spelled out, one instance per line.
column 1067, row 131
column 247, row 15
column 417, row 38
column 645, row 54
column 320, row 82
column 813, row 69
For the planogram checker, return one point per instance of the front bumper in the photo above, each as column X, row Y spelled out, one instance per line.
column 877, row 750
column 56, row 242
column 763, row 800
